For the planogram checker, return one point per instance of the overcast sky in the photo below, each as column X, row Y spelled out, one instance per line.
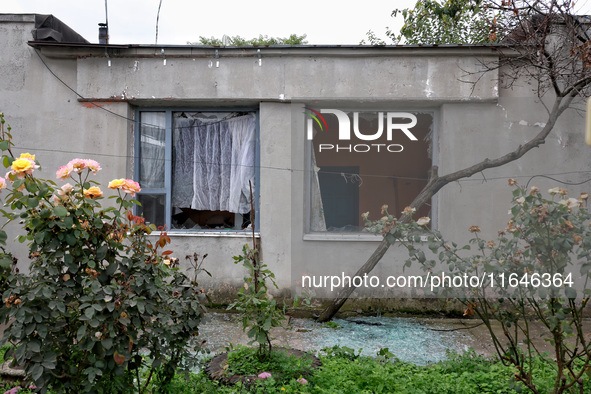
column 181, row 21
column 134, row 21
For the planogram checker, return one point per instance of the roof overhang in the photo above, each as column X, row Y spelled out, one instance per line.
column 80, row 50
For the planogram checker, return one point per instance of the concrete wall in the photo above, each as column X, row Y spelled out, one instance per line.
column 472, row 121
column 343, row 73
column 46, row 117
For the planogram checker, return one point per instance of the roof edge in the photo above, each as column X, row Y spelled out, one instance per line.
column 81, row 50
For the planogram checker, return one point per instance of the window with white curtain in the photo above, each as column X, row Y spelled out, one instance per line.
column 196, row 168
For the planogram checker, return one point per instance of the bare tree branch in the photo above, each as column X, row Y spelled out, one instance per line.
column 434, row 185
column 557, row 90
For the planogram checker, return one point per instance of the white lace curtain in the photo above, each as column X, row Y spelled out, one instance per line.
column 317, row 219
column 214, row 162
column 152, row 150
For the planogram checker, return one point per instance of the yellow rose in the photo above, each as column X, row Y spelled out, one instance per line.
column 117, row 183
column 22, row 166
column 27, row 156
column 93, row 192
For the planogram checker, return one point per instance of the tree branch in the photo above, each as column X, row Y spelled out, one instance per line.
column 551, row 74
column 574, row 89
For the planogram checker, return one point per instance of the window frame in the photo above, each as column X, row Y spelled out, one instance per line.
column 167, row 189
column 310, row 235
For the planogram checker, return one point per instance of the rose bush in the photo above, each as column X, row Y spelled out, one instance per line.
column 537, row 269
column 99, row 311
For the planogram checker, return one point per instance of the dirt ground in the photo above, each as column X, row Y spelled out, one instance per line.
column 221, row 329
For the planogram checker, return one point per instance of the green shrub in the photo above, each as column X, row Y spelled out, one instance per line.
column 259, row 311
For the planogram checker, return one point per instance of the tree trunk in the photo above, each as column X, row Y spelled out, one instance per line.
column 345, row 292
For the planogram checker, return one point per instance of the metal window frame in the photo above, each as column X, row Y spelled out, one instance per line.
column 167, row 190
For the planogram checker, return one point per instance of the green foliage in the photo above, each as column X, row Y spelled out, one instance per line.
column 3, row 350
column 385, row 355
column 101, row 302
column 467, row 373
column 261, row 40
column 259, row 311
column 331, row 324
column 7, row 261
column 200, row 383
column 527, row 273
column 450, row 22
column 369, row 375
column 282, row 366
column 341, row 352
column 461, row 373
column 373, row 39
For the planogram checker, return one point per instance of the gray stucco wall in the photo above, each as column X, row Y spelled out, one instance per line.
column 473, row 121
column 46, row 118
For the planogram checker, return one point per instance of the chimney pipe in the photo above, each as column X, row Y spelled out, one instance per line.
column 103, row 33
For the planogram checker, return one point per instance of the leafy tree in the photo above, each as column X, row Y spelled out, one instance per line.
column 451, row 22
column 261, row 40
column 455, row 21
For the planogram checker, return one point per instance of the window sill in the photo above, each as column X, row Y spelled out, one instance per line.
column 364, row 237
column 348, row 237
column 218, row 234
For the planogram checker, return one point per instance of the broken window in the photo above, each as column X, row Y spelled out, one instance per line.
column 196, row 168
column 382, row 158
